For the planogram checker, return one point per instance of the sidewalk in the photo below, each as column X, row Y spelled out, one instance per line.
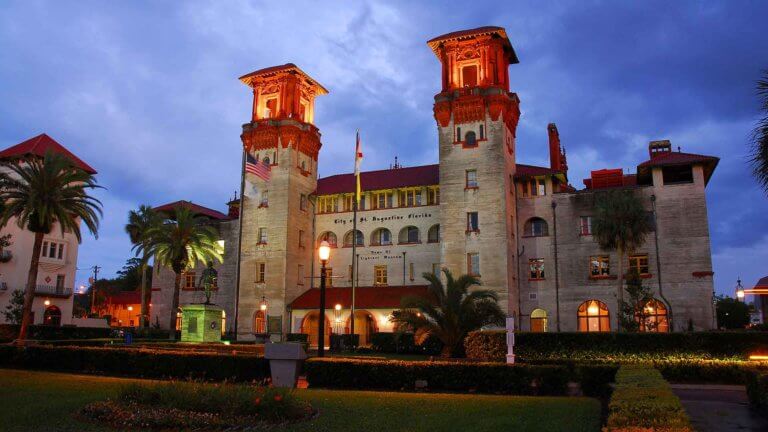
column 719, row 408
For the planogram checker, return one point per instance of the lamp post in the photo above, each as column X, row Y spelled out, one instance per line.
column 324, row 252
column 739, row 290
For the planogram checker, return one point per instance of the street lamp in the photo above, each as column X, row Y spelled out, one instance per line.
column 739, row 290
column 324, row 252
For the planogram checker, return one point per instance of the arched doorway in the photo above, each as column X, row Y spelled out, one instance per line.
column 539, row 321
column 653, row 317
column 365, row 326
column 52, row 316
column 309, row 327
column 594, row 317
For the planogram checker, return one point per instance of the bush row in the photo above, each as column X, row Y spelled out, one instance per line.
column 404, row 343
column 137, row 362
column 492, row 345
column 9, row 332
column 642, row 400
column 457, row 376
column 757, row 390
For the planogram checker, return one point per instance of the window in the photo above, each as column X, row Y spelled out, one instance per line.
column 44, row 250
column 301, row 239
column 328, row 237
column 433, row 235
column 470, row 139
column 436, row 269
column 60, row 282
column 585, row 225
column 473, row 224
column 539, row 321
column 380, row 275
column 536, row 227
column 410, row 198
column 409, row 234
column 303, row 202
column 458, row 134
column 381, row 237
column 382, row 200
column 534, row 187
column 348, row 202
column 482, row 132
column 471, row 179
column 677, row 174
column 358, row 239
column 652, row 317
column 433, row 196
column 264, row 198
column 262, row 236
column 260, row 272
column 473, row 264
column 593, row 317
column 300, row 275
column 328, row 277
column 61, row 250
column 259, row 322
column 599, row 266
column 271, row 108
column 54, row 250
column 328, row 204
column 188, row 280
column 639, row 263
column 469, row 76
column 536, row 266
column 410, row 272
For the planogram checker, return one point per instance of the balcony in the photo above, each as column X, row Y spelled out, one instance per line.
column 53, row 291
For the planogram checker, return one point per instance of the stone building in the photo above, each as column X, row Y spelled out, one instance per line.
column 524, row 230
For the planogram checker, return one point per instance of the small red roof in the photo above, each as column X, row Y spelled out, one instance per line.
column 434, row 43
column 386, row 297
column 679, row 158
column 424, row 175
column 38, row 146
column 200, row 210
column 125, row 297
column 248, row 79
column 762, row 283
column 533, row 171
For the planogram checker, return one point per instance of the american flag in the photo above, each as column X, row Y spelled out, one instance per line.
column 260, row 169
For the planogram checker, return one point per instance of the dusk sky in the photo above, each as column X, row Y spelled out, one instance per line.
column 147, row 93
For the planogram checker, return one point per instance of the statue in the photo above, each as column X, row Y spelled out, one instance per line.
column 208, row 281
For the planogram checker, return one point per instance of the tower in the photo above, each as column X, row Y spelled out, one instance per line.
column 477, row 117
column 276, row 242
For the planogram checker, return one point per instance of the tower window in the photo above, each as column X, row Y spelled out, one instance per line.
column 482, row 132
column 469, row 76
column 470, row 138
column 271, row 110
column 458, row 134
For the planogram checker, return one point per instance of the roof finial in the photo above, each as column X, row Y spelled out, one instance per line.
column 396, row 165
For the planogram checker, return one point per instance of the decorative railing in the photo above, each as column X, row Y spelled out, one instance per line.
column 53, row 290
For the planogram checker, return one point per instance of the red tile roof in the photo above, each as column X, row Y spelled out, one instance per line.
column 200, row 210
column 365, row 297
column 679, row 158
column 461, row 34
column 532, row 171
column 288, row 67
column 383, row 179
column 38, row 146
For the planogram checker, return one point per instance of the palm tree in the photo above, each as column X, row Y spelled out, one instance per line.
column 180, row 243
column 457, row 312
column 140, row 223
column 760, row 136
column 41, row 193
column 620, row 223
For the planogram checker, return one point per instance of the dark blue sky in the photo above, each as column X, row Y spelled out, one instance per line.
column 147, row 92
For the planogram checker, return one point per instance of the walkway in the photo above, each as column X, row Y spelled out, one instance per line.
column 719, row 408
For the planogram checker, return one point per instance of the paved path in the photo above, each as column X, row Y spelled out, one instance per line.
column 719, row 408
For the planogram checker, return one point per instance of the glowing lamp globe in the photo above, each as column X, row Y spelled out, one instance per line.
column 740, row 294
column 324, row 251
column 338, row 307
column 593, row 309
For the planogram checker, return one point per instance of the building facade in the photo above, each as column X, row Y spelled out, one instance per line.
column 522, row 229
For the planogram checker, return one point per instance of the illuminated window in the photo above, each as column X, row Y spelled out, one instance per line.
column 260, row 272
column 593, row 317
column 536, row 227
column 328, row 237
column 471, row 177
column 409, row 234
column 380, row 275
column 381, row 237
column 473, row 222
column 538, row 321
column 433, row 235
column 259, row 323
column 473, row 264
column 262, row 235
column 599, row 265
column 536, row 266
column 271, row 108
column 639, row 263
column 585, row 225
column 348, row 238
column 469, row 76
column 652, row 317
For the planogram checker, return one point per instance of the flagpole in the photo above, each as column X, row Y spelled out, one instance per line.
column 240, row 214
column 354, row 264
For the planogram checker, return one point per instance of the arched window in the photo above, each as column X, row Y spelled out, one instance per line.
column 433, row 235
column 328, row 236
column 536, row 227
column 381, row 237
column 409, row 234
column 469, row 76
column 593, row 317
column 266, row 160
column 259, row 322
column 470, row 139
column 348, row 239
column 539, row 320
column 52, row 316
column 652, row 317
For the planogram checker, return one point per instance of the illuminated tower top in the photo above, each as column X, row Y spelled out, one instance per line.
column 283, row 92
column 474, row 58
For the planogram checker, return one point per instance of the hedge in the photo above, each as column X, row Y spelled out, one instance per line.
column 757, row 390
column 492, row 346
column 642, row 400
column 9, row 332
column 455, row 376
column 404, row 343
column 133, row 362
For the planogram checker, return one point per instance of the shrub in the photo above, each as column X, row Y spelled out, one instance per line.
column 297, row 337
column 642, row 400
column 404, row 343
column 450, row 376
column 757, row 390
column 138, row 362
column 343, row 342
column 9, row 332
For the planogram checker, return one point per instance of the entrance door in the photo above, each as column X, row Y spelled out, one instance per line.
column 365, row 326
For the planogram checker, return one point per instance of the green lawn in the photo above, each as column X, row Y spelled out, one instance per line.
column 47, row 401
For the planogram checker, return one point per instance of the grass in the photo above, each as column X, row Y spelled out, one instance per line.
column 45, row 401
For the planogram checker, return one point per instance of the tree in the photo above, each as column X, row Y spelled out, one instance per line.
column 759, row 157
column 457, row 312
column 634, row 311
column 140, row 224
column 180, row 243
column 731, row 313
column 14, row 310
column 41, row 193
column 620, row 223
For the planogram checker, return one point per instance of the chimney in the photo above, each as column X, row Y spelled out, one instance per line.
column 233, row 207
column 656, row 148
